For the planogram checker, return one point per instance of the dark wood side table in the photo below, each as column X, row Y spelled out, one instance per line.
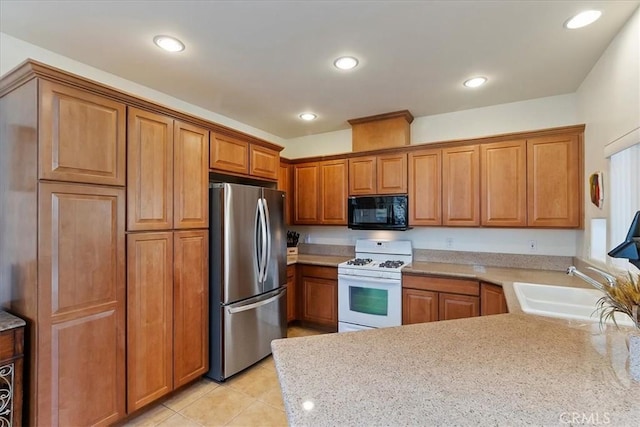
column 11, row 369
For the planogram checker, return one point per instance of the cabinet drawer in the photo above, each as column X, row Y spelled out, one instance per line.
column 441, row 284
column 7, row 341
column 291, row 271
column 330, row 273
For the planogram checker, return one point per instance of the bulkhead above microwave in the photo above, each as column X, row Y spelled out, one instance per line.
column 379, row 212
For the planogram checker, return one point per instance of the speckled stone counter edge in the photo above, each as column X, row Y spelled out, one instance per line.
column 9, row 321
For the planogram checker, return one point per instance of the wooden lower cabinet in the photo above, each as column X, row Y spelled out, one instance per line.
column 11, row 373
column 319, row 300
column 190, row 305
column 492, row 300
column 419, row 306
column 291, row 293
column 454, row 306
column 149, row 317
column 80, row 361
column 167, row 316
column 431, row 298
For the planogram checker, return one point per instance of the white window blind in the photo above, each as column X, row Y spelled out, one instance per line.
column 625, row 197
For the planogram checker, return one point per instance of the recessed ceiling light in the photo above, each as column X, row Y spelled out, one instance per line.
column 475, row 82
column 308, row 116
column 345, row 62
column 170, row 44
column 583, row 19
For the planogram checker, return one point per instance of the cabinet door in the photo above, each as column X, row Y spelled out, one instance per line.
column 190, row 305
column 306, row 197
column 461, row 186
column 419, row 306
column 492, row 299
column 392, row 174
column 362, row 175
column 81, row 305
column 504, row 184
column 264, row 162
column 149, row 171
column 229, row 154
column 425, row 187
column 81, row 136
column 190, row 176
column 320, row 301
column 291, row 293
column 333, row 189
column 554, row 193
column 454, row 306
column 284, row 184
column 149, row 317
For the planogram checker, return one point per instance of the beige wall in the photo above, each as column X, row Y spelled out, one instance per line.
column 609, row 104
column 519, row 116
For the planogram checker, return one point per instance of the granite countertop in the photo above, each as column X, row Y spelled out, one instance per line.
column 9, row 321
column 508, row 369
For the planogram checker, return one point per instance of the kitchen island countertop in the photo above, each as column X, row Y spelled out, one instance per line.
column 507, row 369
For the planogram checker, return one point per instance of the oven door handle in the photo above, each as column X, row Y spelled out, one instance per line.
column 381, row 281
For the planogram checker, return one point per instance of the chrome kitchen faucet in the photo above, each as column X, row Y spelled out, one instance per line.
column 611, row 281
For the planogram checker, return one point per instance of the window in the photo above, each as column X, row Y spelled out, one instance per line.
column 625, row 197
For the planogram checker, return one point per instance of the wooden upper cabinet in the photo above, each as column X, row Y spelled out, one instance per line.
column 492, row 300
column 149, row 171
column 554, row 175
column 362, row 175
column 385, row 174
column 306, row 199
column 81, row 305
column 333, row 191
column 425, row 187
column 461, row 186
column 149, row 317
column 392, row 174
column 229, row 154
column 264, row 162
column 81, row 136
column 284, row 184
column 503, row 184
column 190, row 176
column 190, row 305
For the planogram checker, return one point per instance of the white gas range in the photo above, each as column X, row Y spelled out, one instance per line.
column 370, row 285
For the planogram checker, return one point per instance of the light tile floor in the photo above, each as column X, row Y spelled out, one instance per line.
column 251, row 398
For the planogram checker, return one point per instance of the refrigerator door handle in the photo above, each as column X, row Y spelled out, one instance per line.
column 263, row 250
column 257, row 239
column 233, row 310
column 265, row 208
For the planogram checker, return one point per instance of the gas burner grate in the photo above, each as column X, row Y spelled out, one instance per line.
column 359, row 261
column 391, row 264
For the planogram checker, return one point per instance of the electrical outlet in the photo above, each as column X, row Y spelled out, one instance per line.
column 533, row 245
column 448, row 242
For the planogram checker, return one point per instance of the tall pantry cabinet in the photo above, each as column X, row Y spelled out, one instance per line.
column 167, row 255
column 103, row 245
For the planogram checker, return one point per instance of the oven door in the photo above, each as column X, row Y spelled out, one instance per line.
column 369, row 301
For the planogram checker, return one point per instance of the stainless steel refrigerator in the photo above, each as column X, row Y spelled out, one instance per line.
column 247, row 274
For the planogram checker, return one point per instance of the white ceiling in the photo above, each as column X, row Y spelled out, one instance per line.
column 264, row 62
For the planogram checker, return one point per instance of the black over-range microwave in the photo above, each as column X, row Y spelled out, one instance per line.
column 379, row 212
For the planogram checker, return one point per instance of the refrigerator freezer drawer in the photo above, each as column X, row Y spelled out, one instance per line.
column 249, row 328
